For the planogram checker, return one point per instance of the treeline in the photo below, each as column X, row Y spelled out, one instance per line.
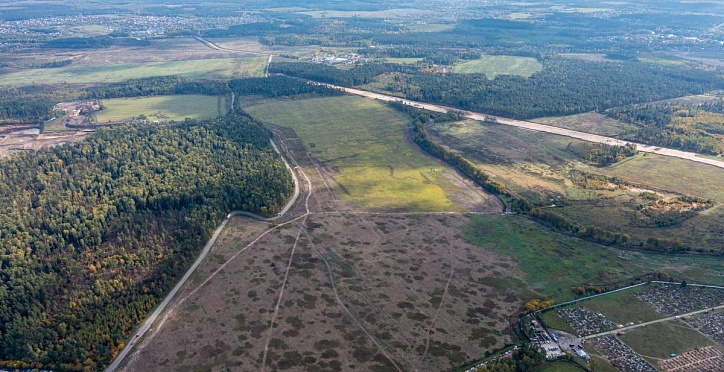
column 523, row 359
column 678, row 125
column 429, row 55
column 329, row 74
column 96, row 42
column 279, row 86
column 94, row 234
column 26, row 104
column 516, row 203
column 157, row 86
column 565, row 86
column 422, row 139
column 602, row 154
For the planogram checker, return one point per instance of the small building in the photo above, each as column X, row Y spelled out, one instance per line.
column 582, row 354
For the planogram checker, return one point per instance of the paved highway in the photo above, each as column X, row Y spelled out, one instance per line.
column 152, row 318
column 538, row 127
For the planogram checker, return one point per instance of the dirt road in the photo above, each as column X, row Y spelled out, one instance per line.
column 152, row 318
column 538, row 127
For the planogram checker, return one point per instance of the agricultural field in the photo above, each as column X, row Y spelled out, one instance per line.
column 162, row 108
column 360, row 146
column 554, row 264
column 551, row 169
column 493, row 66
column 371, row 300
column 201, row 68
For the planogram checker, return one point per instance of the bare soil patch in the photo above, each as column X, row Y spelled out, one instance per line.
column 13, row 143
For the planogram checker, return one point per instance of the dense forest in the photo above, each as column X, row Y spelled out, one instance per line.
column 26, row 105
column 698, row 128
column 92, row 235
column 524, row 358
column 565, row 86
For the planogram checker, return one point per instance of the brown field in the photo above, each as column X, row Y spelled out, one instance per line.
column 333, row 289
column 364, row 291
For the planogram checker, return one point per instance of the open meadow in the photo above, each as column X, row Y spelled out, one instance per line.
column 177, row 107
column 553, row 170
column 360, row 145
column 554, row 263
column 493, row 66
column 200, row 68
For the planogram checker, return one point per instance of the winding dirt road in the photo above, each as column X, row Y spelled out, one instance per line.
column 152, row 318
column 537, row 127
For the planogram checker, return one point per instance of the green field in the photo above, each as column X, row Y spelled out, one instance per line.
column 537, row 166
column 688, row 178
column 660, row 340
column 552, row 320
column 622, row 307
column 493, row 66
column 106, row 73
column 619, row 307
column 362, row 142
column 554, row 263
column 160, row 108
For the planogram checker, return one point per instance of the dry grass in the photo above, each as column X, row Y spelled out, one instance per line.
column 408, row 283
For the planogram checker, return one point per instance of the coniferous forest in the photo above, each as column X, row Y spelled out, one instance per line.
column 93, row 234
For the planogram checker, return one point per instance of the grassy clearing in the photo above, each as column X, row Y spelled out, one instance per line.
column 201, row 68
column 363, row 151
column 537, row 166
column 553, row 321
column 55, row 125
column 493, row 66
column 660, row 340
column 688, row 178
column 176, row 107
column 622, row 307
column 554, row 263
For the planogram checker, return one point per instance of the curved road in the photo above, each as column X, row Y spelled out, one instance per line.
column 152, row 318
column 536, row 127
